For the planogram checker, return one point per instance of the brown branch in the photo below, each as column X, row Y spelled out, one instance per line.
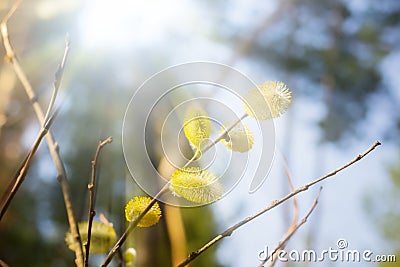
column 290, row 233
column 224, row 133
column 274, row 204
column 132, row 225
column 53, row 147
column 20, row 175
column 293, row 224
column 57, row 79
column 92, row 191
column 291, row 185
column 3, row 264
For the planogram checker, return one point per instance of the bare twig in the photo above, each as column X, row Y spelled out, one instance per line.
column 132, row 226
column 291, row 185
column 20, row 175
column 53, row 147
column 290, row 233
column 223, row 134
column 58, row 77
column 3, row 264
column 274, row 204
column 293, row 224
column 92, row 190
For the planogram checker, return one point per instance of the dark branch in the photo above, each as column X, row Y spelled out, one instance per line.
column 92, row 191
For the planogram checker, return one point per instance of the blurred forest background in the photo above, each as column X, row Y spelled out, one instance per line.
column 340, row 58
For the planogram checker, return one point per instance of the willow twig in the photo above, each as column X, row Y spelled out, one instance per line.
column 20, row 175
column 291, row 231
column 3, row 264
column 53, row 147
column 291, row 185
column 293, row 224
column 274, row 204
column 223, row 134
column 92, row 199
column 132, row 225
column 57, row 79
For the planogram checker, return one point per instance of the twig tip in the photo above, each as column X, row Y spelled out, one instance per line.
column 67, row 39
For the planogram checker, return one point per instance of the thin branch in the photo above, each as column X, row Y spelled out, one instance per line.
column 195, row 156
column 3, row 264
column 4, row 31
column 291, row 185
column 132, row 226
column 20, row 175
column 53, row 147
column 223, row 134
column 290, row 233
column 274, row 204
column 293, row 224
column 92, row 191
column 57, row 79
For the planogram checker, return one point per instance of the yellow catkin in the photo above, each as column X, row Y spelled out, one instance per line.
column 130, row 257
column 197, row 126
column 196, row 185
column 269, row 101
column 136, row 205
column 239, row 139
column 102, row 237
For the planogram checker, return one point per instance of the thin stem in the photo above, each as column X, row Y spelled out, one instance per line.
column 291, row 185
column 58, row 77
column 290, row 233
column 20, row 175
column 274, row 204
column 3, row 264
column 195, row 156
column 223, row 134
column 92, row 199
column 132, row 226
column 293, row 224
column 53, row 147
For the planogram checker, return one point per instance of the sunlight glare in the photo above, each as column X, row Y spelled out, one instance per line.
column 123, row 23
